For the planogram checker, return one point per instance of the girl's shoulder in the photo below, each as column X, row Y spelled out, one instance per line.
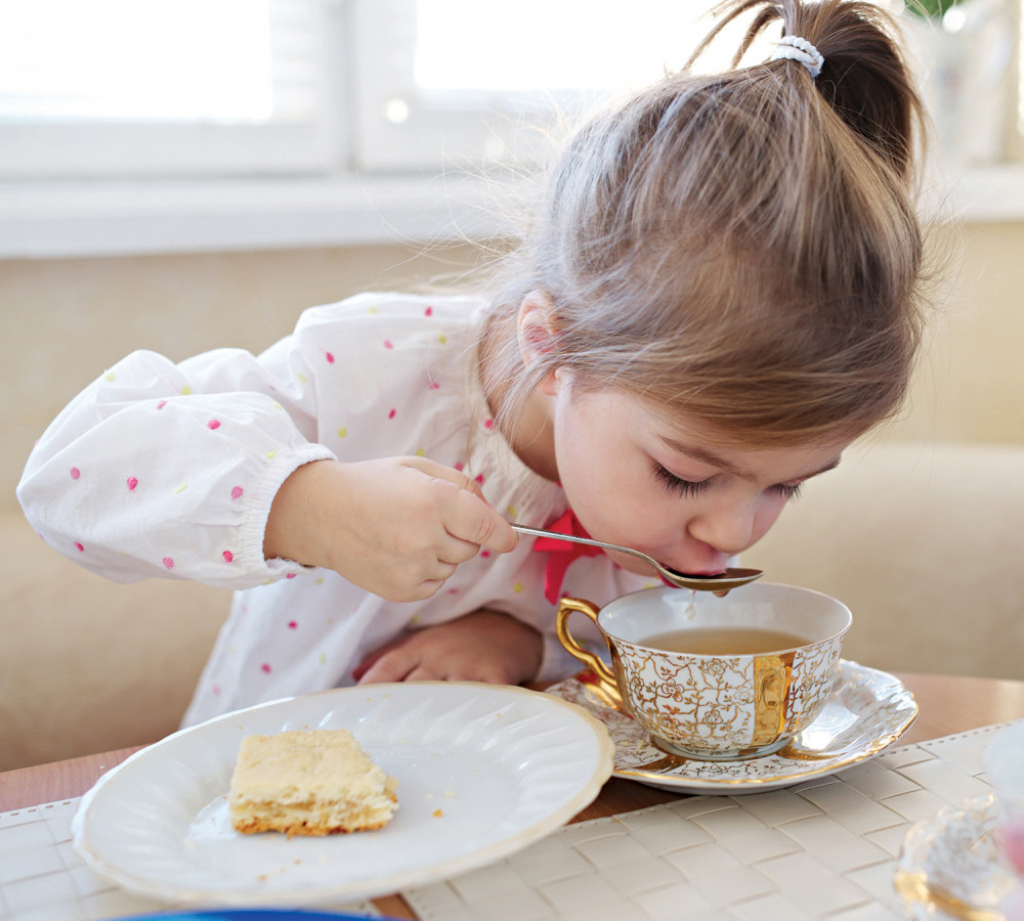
column 382, row 309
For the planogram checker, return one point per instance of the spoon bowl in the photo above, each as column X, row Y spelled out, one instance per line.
column 719, row 583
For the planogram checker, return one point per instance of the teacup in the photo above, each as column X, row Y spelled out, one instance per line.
column 757, row 665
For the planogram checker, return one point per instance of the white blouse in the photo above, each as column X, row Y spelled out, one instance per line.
column 163, row 469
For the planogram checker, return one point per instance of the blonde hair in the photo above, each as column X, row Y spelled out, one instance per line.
column 741, row 248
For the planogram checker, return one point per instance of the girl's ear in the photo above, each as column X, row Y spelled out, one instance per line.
column 536, row 327
column 537, row 332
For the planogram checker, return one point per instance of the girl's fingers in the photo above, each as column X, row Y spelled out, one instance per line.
column 467, row 515
column 469, row 518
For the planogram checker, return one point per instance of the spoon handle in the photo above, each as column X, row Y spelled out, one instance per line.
column 589, row 541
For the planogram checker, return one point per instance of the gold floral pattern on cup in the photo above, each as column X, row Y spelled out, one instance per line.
column 713, row 707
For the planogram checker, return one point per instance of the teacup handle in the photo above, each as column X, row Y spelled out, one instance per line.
column 607, row 687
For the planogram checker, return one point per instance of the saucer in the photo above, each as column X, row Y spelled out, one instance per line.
column 866, row 712
column 949, row 867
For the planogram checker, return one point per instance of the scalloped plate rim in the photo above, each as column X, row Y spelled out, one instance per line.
column 165, row 890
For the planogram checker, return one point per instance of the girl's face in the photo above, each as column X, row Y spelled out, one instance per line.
column 680, row 492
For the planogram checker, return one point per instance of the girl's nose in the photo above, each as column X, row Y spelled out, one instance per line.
column 727, row 528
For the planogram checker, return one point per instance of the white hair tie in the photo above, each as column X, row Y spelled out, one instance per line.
column 794, row 48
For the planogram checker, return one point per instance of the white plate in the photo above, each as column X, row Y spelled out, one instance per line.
column 867, row 711
column 500, row 767
column 949, row 867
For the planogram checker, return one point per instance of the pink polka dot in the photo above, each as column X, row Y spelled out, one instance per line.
column 215, row 689
column 132, row 482
column 168, row 563
column 388, row 344
column 485, row 553
column 79, row 547
column 265, row 667
column 429, row 312
column 488, row 423
column 330, row 357
column 391, row 415
column 75, row 473
column 213, row 424
column 458, row 465
column 291, row 575
column 453, row 591
column 434, row 385
column 293, row 625
column 229, row 557
column 161, row 404
column 479, row 478
column 236, row 492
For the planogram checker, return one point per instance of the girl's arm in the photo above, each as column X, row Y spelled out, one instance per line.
column 164, row 469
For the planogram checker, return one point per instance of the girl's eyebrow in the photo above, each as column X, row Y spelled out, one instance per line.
column 709, row 457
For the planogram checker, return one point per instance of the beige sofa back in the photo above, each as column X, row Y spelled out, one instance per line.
column 924, row 542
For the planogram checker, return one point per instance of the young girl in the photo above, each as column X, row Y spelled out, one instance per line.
column 719, row 295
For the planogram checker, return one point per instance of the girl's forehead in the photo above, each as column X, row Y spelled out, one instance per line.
column 715, row 445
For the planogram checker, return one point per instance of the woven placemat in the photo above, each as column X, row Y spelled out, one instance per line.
column 825, row 848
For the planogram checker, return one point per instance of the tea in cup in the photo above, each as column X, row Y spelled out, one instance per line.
column 716, row 678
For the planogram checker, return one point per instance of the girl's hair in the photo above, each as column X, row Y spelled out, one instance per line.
column 741, row 247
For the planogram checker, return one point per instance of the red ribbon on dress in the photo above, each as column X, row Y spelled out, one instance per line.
column 561, row 553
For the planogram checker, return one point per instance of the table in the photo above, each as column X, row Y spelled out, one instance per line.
column 948, row 705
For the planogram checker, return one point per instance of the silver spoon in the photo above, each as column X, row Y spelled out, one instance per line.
column 719, row 584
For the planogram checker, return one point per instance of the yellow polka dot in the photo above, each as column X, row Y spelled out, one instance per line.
column 182, row 488
column 443, row 339
column 512, row 511
column 320, row 580
column 277, row 406
column 372, row 310
column 270, row 455
column 322, row 658
column 650, row 585
column 415, row 619
column 302, row 377
column 421, row 452
column 186, row 390
column 109, row 376
column 518, row 587
column 343, row 432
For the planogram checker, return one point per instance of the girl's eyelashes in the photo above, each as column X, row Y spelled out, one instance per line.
column 696, row 487
column 788, row 492
column 678, row 484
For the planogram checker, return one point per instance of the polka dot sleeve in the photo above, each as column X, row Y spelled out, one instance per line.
column 159, row 469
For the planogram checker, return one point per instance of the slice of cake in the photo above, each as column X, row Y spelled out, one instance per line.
column 308, row 782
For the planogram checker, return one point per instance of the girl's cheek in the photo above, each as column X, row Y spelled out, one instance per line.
column 767, row 516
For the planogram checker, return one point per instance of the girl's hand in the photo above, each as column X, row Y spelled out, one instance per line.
column 482, row 646
column 397, row 527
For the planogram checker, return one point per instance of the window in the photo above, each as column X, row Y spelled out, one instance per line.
column 120, row 88
column 220, row 123
column 123, row 89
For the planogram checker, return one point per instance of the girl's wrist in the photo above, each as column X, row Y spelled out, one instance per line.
column 294, row 524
